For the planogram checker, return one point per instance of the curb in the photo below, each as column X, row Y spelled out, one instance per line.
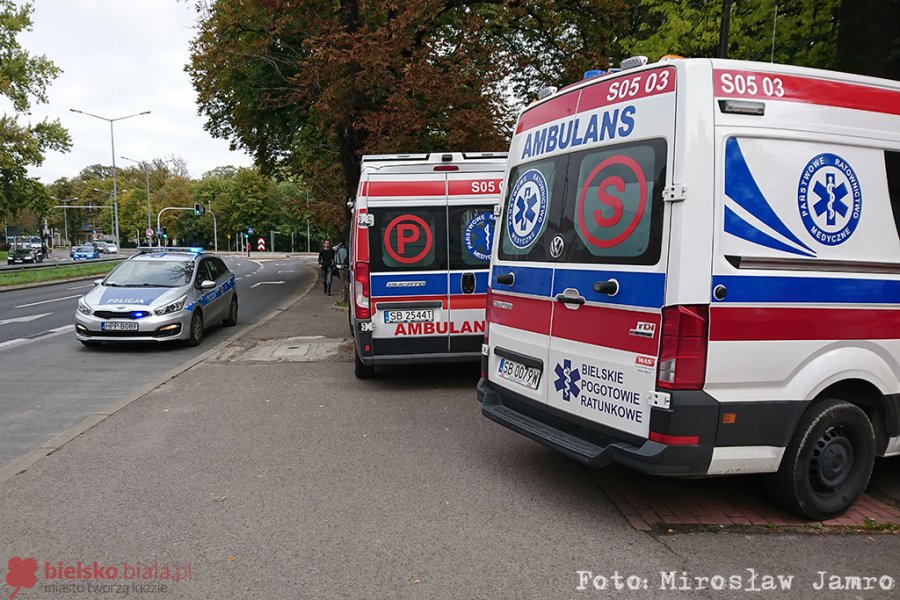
column 51, row 446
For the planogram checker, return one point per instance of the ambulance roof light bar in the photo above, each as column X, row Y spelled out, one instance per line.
column 633, row 62
column 467, row 155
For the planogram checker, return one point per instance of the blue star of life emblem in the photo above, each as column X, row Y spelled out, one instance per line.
column 567, row 380
column 527, row 212
column 830, row 199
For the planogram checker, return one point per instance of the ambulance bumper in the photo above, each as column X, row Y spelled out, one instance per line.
column 592, row 447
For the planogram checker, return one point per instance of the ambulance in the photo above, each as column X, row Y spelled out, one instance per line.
column 421, row 244
column 697, row 273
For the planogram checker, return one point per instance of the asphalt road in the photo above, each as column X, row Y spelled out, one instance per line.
column 49, row 381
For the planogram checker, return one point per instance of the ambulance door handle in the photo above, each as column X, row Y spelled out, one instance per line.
column 506, row 279
column 570, row 296
column 610, row 288
column 467, row 283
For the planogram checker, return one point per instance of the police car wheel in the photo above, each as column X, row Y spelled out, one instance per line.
column 231, row 319
column 196, row 331
column 362, row 370
column 827, row 464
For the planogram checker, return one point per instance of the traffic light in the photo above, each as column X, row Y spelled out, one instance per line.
column 165, row 233
column 198, row 209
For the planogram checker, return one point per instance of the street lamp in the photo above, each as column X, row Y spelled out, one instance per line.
column 65, row 214
column 114, row 217
column 112, row 140
column 147, row 174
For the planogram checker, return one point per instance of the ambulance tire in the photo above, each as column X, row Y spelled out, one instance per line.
column 362, row 370
column 827, row 463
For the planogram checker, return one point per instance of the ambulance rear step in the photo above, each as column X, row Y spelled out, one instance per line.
column 580, row 450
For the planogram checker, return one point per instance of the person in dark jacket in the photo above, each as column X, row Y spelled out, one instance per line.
column 326, row 263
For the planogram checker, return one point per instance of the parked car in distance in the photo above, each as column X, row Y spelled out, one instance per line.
column 102, row 247
column 112, row 248
column 86, row 252
column 20, row 256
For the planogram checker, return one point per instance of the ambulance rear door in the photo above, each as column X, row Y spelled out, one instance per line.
column 408, row 262
column 611, row 256
column 472, row 197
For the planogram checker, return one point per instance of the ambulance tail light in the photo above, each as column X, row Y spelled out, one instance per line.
column 682, row 353
column 361, row 291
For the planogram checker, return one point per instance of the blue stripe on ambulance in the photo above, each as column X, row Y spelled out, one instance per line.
column 744, row 288
column 481, row 282
column 431, row 284
column 646, row 290
column 534, row 281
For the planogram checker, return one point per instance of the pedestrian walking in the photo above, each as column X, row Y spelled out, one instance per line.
column 326, row 263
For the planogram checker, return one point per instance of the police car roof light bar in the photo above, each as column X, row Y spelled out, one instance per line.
column 163, row 249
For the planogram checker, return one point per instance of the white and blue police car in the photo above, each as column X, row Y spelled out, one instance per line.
column 158, row 295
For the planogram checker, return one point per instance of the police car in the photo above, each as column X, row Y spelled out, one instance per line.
column 697, row 272
column 159, row 295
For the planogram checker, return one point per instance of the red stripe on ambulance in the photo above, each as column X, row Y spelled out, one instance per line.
column 732, row 324
column 474, row 187
column 530, row 314
column 608, row 327
column 794, row 88
column 405, row 188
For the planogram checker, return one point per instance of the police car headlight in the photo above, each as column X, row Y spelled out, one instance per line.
column 172, row 307
column 83, row 308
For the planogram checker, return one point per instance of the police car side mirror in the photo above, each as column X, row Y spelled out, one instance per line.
column 207, row 284
column 98, row 281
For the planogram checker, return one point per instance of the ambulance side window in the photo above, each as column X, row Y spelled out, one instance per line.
column 892, row 166
column 535, row 194
column 408, row 239
column 614, row 205
column 471, row 235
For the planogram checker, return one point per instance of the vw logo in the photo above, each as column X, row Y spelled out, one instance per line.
column 556, row 246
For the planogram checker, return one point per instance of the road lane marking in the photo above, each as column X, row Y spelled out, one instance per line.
column 266, row 283
column 80, row 287
column 39, row 336
column 47, row 301
column 23, row 319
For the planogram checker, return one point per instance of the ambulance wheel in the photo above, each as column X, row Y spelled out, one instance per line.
column 362, row 370
column 827, row 464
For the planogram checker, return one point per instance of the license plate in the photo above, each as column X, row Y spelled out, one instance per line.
column 418, row 315
column 519, row 373
column 119, row 326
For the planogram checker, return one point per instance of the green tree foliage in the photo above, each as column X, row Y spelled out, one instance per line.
column 805, row 30
column 23, row 80
column 311, row 85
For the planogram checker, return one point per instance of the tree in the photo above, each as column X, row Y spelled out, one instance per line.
column 23, row 80
column 805, row 31
column 310, row 85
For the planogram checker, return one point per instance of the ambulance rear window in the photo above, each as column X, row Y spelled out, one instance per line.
column 408, row 239
column 614, row 204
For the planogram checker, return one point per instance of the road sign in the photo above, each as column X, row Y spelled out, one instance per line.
column 261, row 244
column 95, row 237
column 149, row 232
column 249, row 230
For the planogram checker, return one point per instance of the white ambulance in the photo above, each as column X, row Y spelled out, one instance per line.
column 419, row 256
column 697, row 272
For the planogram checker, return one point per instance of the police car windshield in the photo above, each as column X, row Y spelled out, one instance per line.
column 152, row 273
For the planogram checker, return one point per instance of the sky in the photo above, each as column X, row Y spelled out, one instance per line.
column 121, row 57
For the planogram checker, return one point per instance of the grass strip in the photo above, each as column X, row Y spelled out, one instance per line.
column 61, row 273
